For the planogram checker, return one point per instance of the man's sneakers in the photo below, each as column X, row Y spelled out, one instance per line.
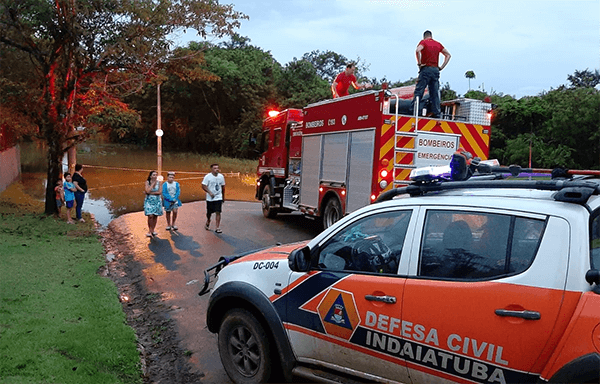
column 218, row 230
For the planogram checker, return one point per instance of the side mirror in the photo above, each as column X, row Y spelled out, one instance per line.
column 593, row 276
column 299, row 259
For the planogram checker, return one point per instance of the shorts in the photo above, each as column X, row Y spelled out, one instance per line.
column 58, row 203
column 170, row 207
column 213, row 207
column 70, row 203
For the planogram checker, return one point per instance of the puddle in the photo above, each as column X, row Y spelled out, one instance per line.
column 100, row 210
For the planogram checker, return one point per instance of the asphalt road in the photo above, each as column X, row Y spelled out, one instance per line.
column 174, row 264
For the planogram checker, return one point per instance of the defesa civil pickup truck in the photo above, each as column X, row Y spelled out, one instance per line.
column 477, row 281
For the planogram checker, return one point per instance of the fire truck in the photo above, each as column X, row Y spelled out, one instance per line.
column 338, row 155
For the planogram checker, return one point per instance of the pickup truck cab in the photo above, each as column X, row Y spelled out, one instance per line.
column 478, row 281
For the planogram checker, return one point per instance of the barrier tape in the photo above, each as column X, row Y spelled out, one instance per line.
column 200, row 174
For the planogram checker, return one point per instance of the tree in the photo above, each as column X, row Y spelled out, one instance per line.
column 300, row 85
column 85, row 54
column 560, row 127
column 447, row 93
column 470, row 75
column 583, row 79
column 329, row 64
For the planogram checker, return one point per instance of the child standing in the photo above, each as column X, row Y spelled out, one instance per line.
column 170, row 194
column 60, row 195
column 69, row 191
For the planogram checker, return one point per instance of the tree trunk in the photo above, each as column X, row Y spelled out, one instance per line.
column 55, row 154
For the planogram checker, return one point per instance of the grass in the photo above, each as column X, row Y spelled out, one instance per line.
column 60, row 321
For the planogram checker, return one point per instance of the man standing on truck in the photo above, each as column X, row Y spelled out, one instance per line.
column 342, row 82
column 428, row 52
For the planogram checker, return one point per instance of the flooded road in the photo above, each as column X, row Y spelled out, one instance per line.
column 116, row 174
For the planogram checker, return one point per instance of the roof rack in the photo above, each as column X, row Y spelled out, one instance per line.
column 570, row 191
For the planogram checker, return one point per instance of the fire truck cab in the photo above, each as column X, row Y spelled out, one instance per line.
column 336, row 156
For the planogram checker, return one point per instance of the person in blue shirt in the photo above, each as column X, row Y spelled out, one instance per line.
column 170, row 194
column 69, row 189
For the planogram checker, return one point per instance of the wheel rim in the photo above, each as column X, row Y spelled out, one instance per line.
column 244, row 351
column 266, row 201
column 332, row 214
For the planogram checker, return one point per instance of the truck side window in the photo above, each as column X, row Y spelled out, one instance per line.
column 264, row 139
column 371, row 244
column 277, row 138
column 477, row 246
column 595, row 240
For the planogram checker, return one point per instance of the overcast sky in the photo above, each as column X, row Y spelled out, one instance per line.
column 518, row 48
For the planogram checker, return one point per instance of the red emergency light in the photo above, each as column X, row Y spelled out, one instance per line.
column 273, row 113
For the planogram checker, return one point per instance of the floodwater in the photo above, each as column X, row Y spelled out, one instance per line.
column 116, row 174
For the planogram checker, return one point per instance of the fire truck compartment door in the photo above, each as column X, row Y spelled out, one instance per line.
column 335, row 157
column 360, row 162
column 311, row 167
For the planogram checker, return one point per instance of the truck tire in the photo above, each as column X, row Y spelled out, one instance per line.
column 267, row 205
column 332, row 212
column 244, row 348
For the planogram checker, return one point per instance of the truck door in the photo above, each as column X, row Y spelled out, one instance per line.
column 487, row 288
column 345, row 314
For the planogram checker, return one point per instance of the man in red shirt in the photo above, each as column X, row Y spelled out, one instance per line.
column 342, row 82
column 428, row 52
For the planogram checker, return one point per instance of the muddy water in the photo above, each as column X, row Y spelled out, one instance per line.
column 116, row 176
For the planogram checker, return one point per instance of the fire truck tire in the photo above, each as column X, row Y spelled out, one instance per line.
column 332, row 212
column 244, row 348
column 267, row 206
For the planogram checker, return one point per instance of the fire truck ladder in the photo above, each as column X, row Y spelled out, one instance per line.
column 404, row 148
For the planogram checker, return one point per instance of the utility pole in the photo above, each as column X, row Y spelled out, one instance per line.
column 159, row 133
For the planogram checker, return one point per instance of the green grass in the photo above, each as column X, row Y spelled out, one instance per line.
column 60, row 321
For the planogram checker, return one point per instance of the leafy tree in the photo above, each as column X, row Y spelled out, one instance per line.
column 211, row 115
column 327, row 64
column 477, row 95
column 560, row 127
column 470, row 75
column 301, row 85
column 85, row 54
column 447, row 93
column 584, row 79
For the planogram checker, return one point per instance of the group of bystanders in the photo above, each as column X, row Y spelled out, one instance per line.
column 70, row 192
column 167, row 198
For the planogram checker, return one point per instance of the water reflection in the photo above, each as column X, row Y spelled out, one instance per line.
column 100, row 209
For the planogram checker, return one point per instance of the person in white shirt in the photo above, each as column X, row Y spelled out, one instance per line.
column 214, row 186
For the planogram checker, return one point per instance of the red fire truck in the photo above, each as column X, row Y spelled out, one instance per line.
column 336, row 156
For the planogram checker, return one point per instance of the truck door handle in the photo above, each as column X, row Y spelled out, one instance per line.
column 525, row 314
column 383, row 299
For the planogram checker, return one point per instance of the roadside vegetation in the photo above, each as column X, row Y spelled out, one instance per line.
column 60, row 321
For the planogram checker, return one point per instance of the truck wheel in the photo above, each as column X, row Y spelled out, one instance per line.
column 332, row 212
column 267, row 205
column 244, row 348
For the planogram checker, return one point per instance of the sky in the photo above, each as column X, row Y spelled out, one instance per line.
column 518, row 48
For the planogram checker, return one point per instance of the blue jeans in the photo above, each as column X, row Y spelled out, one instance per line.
column 428, row 77
column 79, row 196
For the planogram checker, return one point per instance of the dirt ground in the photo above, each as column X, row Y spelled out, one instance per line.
column 163, row 360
